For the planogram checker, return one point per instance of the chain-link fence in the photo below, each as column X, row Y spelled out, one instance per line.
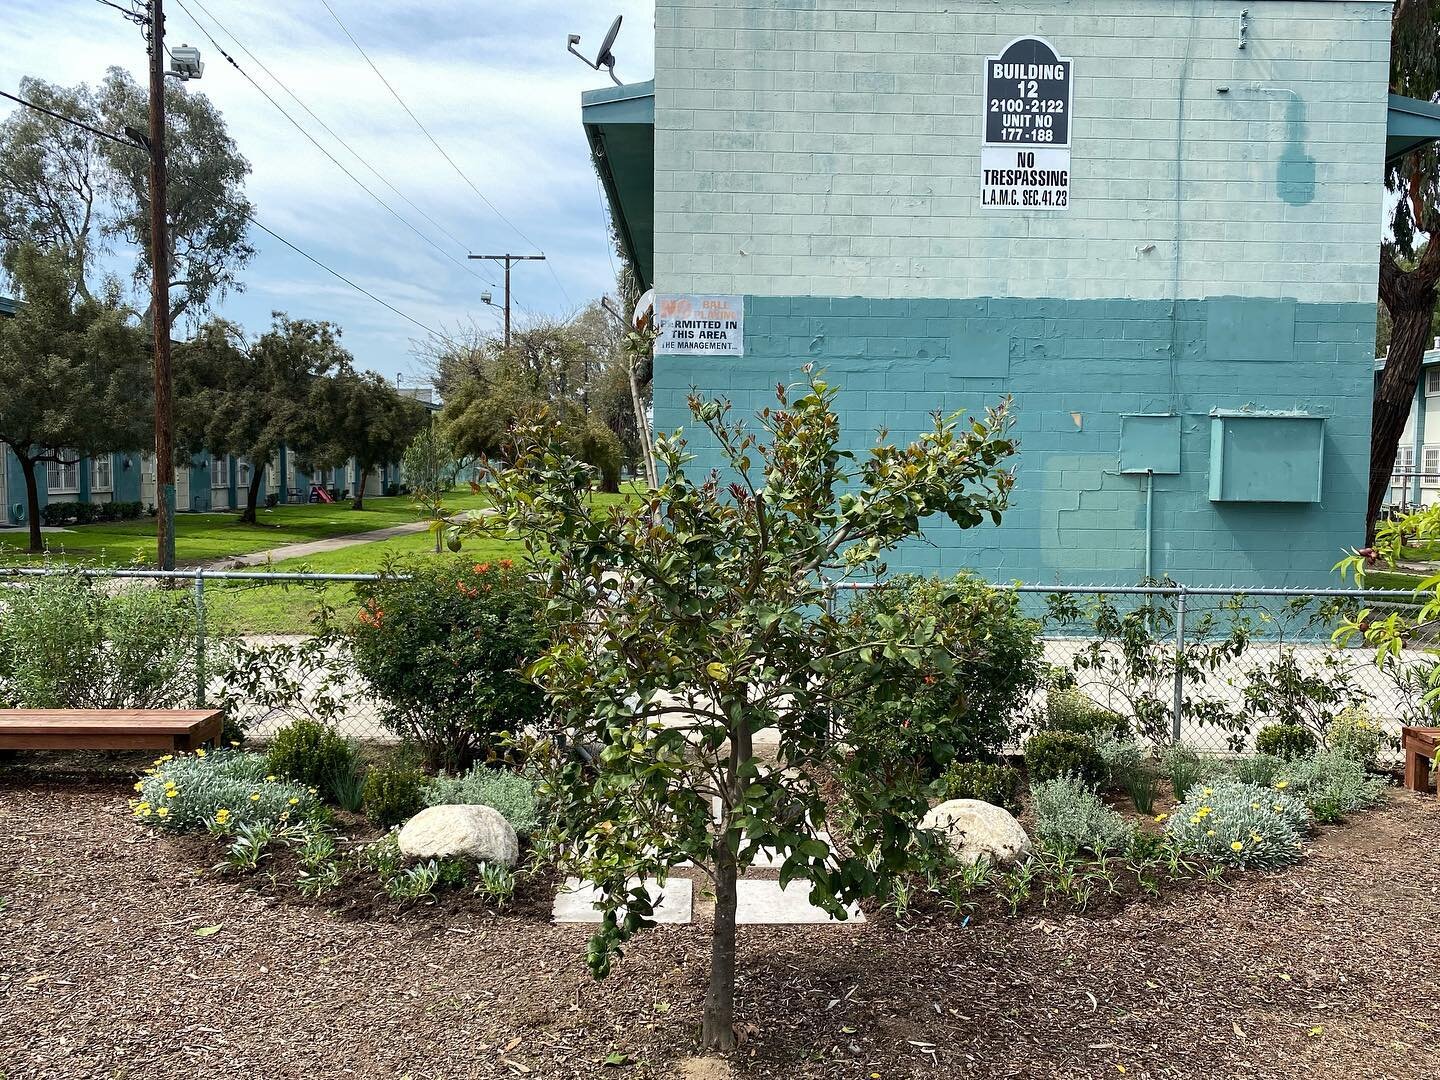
column 1203, row 666
column 1208, row 667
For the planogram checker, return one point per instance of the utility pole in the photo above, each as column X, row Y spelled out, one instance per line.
column 160, row 299
column 507, row 260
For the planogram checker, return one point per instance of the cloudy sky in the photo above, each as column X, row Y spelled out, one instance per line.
column 492, row 82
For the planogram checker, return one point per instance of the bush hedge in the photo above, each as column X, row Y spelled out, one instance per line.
column 1284, row 740
column 313, row 754
column 997, row 784
column 1050, row 755
column 88, row 513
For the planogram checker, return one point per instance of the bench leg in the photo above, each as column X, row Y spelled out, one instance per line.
column 1417, row 770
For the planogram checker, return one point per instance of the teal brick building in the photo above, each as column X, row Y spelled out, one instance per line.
column 1185, row 316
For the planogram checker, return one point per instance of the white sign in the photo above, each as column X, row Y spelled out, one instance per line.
column 1025, row 135
column 700, row 325
column 1024, row 178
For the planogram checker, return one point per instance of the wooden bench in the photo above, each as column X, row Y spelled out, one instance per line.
column 109, row 729
column 1419, row 744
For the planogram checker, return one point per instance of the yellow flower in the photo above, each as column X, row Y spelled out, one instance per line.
column 1235, row 845
column 255, row 797
column 162, row 811
column 1281, row 785
column 142, row 806
column 1209, row 832
column 222, row 815
column 1255, row 806
column 171, row 793
column 1161, row 817
column 1209, row 791
column 139, row 785
column 294, row 802
column 269, row 779
column 199, row 751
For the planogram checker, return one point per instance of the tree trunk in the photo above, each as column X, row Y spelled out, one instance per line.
column 252, row 495
column 718, row 1025
column 32, row 504
column 1409, row 296
column 359, row 503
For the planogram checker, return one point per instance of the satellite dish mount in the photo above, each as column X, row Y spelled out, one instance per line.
column 605, row 59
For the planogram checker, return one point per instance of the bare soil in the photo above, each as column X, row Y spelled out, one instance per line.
column 1328, row 970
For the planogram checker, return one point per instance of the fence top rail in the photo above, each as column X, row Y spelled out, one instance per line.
column 1169, row 590
column 189, row 575
column 833, row 586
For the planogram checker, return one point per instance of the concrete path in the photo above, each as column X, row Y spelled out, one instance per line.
column 316, row 547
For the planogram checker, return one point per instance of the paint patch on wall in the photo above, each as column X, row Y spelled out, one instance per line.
column 1250, row 329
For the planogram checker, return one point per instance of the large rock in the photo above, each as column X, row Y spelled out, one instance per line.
column 978, row 830
column 475, row 832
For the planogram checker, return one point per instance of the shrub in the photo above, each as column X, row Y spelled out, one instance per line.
column 510, row 793
column 393, row 794
column 67, row 641
column 1120, row 753
column 1240, row 825
column 313, row 754
column 1053, row 754
column 1284, row 740
column 1069, row 818
column 1258, row 769
column 996, row 784
column 1331, row 784
column 1355, row 734
column 1068, row 709
column 923, row 720
column 443, row 651
column 224, row 788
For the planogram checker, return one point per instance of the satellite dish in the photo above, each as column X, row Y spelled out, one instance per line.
column 605, row 59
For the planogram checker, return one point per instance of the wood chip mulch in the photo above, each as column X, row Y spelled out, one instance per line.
column 1328, row 970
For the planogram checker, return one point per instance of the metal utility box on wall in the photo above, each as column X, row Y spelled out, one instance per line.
column 1266, row 457
column 1150, row 443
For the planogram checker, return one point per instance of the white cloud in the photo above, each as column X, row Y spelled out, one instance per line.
column 492, row 82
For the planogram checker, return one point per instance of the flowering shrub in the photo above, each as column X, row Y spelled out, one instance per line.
column 224, row 788
column 1332, row 784
column 509, row 793
column 443, row 649
column 1240, row 824
column 1070, row 818
column 1355, row 734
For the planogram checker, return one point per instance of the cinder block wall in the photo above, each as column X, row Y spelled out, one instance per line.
column 1219, row 252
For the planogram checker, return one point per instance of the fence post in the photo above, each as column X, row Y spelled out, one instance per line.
column 200, row 639
column 1179, row 701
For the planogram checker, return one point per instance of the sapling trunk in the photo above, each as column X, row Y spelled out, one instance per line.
column 359, row 503
column 32, row 503
column 252, row 496
column 718, row 1027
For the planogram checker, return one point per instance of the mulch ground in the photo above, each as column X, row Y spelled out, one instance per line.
column 1328, row 970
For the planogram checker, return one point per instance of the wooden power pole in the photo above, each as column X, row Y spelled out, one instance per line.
column 508, row 260
column 160, row 299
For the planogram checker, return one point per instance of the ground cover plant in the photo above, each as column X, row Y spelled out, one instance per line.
column 688, row 622
column 511, row 793
column 191, row 792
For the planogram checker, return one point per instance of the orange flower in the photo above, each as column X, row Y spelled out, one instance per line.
column 482, row 568
column 506, row 564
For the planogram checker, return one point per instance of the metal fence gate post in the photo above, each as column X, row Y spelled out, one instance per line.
column 200, row 639
column 1179, row 701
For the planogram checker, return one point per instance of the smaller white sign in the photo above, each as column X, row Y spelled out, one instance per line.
column 1024, row 178
column 700, row 325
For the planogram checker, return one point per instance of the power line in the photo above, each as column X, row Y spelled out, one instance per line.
column 328, row 129
column 435, row 143
column 333, row 159
column 247, row 215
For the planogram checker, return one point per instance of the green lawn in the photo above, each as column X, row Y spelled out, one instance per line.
column 293, row 609
column 202, row 538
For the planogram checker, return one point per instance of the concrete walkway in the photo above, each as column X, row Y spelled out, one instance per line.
column 316, row 547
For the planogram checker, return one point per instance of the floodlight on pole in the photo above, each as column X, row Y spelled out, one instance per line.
column 507, row 261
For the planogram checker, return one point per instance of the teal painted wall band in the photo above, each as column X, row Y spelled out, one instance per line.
column 1074, row 368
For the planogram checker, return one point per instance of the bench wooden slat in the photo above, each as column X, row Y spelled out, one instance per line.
column 1421, row 746
column 108, row 729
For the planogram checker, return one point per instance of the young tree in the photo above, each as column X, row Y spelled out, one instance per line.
column 1409, row 272
column 74, row 370
column 361, row 416
column 429, row 467
column 66, row 189
column 250, row 398
column 688, row 621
